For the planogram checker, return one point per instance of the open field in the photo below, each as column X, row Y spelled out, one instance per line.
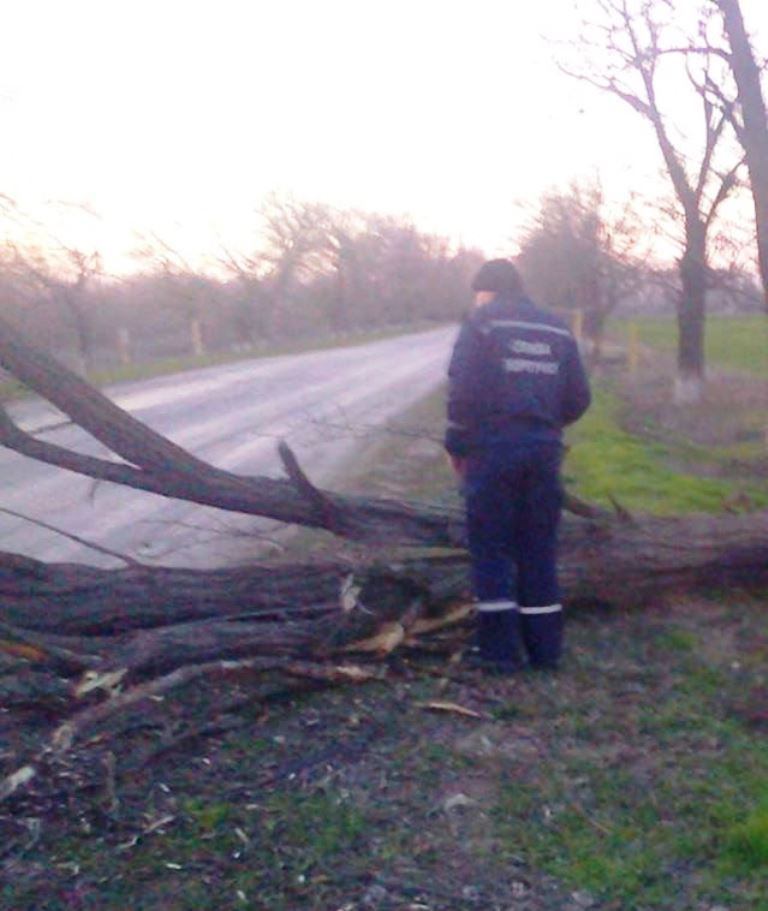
column 634, row 780
column 736, row 342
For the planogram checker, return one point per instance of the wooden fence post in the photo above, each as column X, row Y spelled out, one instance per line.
column 577, row 325
column 633, row 348
column 196, row 336
column 124, row 346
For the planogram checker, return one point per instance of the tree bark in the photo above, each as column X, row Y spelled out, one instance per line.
column 691, row 315
column 753, row 129
column 154, row 619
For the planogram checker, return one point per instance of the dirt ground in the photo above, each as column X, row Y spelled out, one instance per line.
column 731, row 418
column 367, row 797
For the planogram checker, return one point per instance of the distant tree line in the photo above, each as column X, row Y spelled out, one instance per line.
column 312, row 271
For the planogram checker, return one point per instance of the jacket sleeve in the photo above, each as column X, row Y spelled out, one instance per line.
column 463, row 375
column 576, row 392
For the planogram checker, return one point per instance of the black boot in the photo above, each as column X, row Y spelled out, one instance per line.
column 542, row 633
column 498, row 641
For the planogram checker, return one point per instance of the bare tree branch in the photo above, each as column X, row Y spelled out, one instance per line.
column 157, row 465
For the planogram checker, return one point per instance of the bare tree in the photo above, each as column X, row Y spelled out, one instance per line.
column 295, row 247
column 67, row 278
column 747, row 113
column 345, row 269
column 53, row 273
column 292, row 248
column 250, row 299
column 343, row 232
column 627, row 43
column 575, row 254
column 194, row 297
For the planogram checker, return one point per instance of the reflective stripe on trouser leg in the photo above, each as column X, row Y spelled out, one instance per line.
column 498, row 631
column 493, row 607
column 542, row 632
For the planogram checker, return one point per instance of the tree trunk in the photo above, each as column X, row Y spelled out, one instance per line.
column 691, row 315
column 81, row 323
column 154, row 619
column 753, row 132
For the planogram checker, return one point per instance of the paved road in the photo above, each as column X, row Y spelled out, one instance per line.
column 230, row 416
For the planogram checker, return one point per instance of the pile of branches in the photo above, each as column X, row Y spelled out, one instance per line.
column 92, row 644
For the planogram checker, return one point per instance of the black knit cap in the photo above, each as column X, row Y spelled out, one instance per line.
column 498, row 275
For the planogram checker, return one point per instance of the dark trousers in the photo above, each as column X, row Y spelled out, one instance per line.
column 514, row 498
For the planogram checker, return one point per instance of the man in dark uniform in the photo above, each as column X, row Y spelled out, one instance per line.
column 515, row 380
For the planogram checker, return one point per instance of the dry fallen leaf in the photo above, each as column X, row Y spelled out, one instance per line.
column 339, row 673
column 354, row 672
column 160, row 823
column 17, row 780
column 94, row 681
column 430, row 624
column 457, row 800
column 452, row 707
column 386, row 640
column 62, row 737
column 21, row 650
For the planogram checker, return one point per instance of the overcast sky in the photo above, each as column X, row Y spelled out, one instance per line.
column 177, row 116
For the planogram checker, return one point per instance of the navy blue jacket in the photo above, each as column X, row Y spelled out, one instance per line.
column 515, row 374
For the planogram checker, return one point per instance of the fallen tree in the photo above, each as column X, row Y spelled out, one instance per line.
column 147, row 629
column 174, row 614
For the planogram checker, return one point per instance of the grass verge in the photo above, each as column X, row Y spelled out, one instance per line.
column 605, row 460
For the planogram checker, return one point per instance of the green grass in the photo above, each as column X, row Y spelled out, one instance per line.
column 606, row 461
column 652, row 469
column 737, row 342
column 641, row 793
column 275, row 853
column 746, row 843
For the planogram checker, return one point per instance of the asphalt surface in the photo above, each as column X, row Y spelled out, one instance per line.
column 231, row 416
